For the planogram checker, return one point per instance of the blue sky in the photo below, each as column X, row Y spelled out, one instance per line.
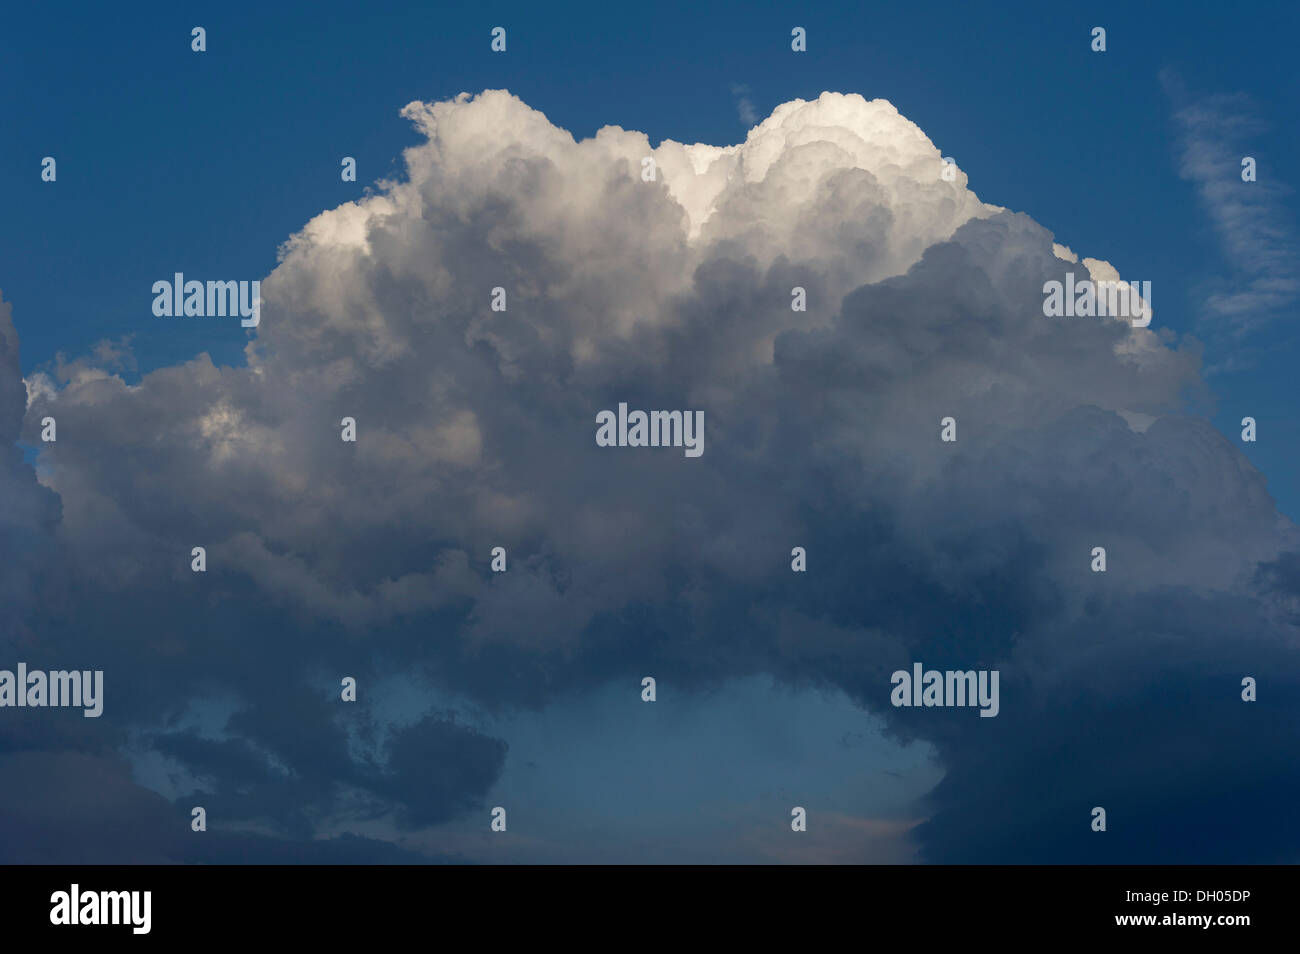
column 169, row 160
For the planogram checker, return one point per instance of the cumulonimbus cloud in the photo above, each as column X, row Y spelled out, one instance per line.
column 476, row 429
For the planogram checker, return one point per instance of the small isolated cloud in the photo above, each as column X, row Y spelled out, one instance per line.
column 744, row 104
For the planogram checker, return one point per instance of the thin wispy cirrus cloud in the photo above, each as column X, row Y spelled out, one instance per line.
column 1254, row 222
column 476, row 429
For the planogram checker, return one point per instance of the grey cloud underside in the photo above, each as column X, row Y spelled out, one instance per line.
column 476, row 429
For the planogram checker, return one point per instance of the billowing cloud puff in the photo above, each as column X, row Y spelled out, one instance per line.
column 475, row 429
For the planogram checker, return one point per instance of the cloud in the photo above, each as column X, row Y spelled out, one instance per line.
column 744, row 105
column 63, row 808
column 476, row 429
column 1215, row 134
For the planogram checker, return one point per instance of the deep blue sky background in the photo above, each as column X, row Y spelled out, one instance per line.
column 170, row 161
